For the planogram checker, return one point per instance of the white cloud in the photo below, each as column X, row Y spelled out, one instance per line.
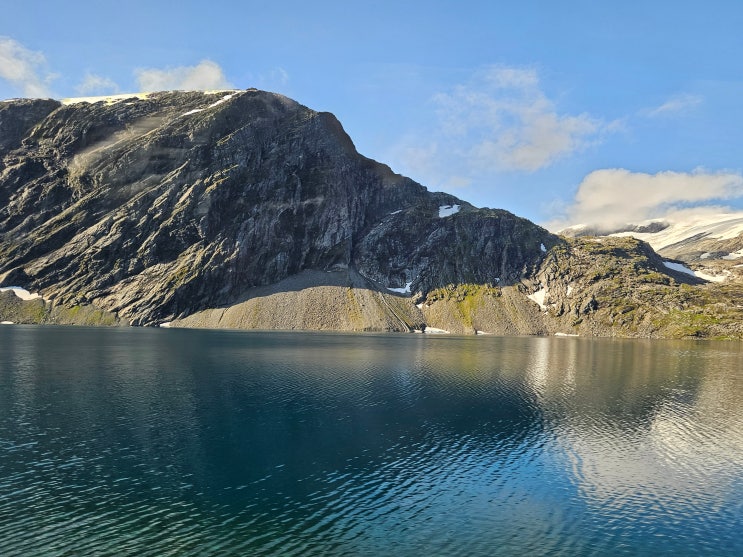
column 500, row 120
column 617, row 196
column 206, row 75
column 93, row 84
column 24, row 68
column 676, row 104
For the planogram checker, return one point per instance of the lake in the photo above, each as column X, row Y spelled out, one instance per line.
column 182, row 442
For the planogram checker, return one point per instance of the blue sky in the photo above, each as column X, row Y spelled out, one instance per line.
column 562, row 112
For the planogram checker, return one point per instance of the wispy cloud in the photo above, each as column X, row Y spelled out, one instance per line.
column 25, row 69
column 206, row 75
column 676, row 104
column 275, row 78
column 93, row 84
column 617, row 196
column 499, row 121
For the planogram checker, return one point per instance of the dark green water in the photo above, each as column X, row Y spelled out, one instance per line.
column 176, row 442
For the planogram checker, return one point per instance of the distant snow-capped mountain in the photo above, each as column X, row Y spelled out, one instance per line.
column 684, row 236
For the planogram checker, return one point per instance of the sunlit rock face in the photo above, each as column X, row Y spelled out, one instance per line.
column 153, row 207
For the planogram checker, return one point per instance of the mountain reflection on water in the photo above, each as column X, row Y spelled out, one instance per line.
column 155, row 442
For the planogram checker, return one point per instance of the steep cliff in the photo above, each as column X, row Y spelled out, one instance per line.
column 155, row 207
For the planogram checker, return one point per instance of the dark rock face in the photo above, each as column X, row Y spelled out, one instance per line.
column 157, row 207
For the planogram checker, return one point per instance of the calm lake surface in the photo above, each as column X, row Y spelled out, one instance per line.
column 178, row 442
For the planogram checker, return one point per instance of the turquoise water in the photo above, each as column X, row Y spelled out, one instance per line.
column 177, row 442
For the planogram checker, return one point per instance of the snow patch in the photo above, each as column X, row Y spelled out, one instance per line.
column 570, row 289
column 6, row 323
column 565, row 335
column 713, row 278
column 165, row 325
column 733, row 255
column 217, row 103
column 435, row 331
column 448, row 210
column 22, row 293
column 698, row 274
column 539, row 297
column 396, row 212
column 222, row 100
column 706, row 256
column 544, row 249
column 404, row 290
column 679, row 267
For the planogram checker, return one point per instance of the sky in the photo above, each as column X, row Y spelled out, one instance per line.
column 561, row 112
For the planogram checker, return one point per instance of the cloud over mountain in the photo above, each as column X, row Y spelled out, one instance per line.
column 93, row 84
column 500, row 120
column 206, row 75
column 618, row 196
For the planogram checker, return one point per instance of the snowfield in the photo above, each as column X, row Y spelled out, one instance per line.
column 448, row 210
column 720, row 226
column 22, row 293
column 539, row 297
column 403, row 290
column 704, row 276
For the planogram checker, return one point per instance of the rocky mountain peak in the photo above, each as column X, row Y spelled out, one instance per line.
column 156, row 206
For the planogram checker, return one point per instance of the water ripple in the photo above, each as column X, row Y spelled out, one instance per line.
column 206, row 443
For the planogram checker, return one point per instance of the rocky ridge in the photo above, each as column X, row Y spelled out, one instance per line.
column 710, row 244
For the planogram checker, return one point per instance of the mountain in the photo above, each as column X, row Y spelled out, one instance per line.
column 245, row 209
column 687, row 236
column 710, row 244
column 154, row 207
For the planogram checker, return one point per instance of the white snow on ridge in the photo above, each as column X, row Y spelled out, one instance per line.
column 721, row 226
column 222, row 100
column 448, row 210
column 217, row 103
column 22, row 293
column 108, row 99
